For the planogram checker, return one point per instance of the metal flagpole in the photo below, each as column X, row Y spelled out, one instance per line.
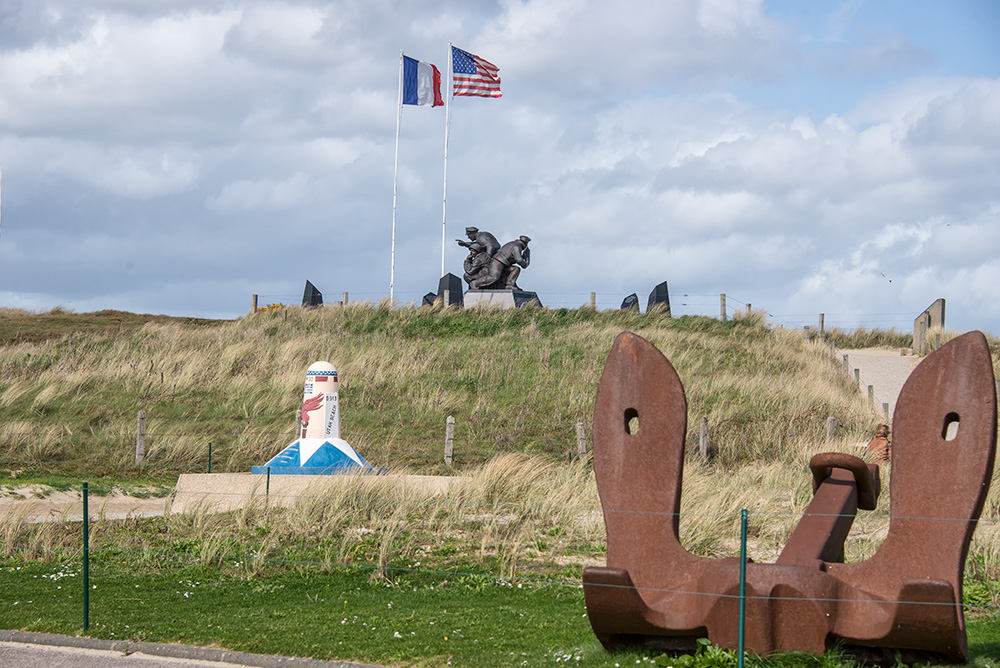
column 447, row 128
column 395, row 173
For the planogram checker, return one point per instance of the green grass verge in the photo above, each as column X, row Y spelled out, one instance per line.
column 418, row 619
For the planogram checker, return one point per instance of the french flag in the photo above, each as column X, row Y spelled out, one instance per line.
column 421, row 83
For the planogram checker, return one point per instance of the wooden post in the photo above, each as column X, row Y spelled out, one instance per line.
column 831, row 427
column 822, row 324
column 345, row 299
column 581, row 439
column 847, row 366
column 871, row 394
column 857, row 377
column 722, row 307
column 593, row 300
column 253, row 303
column 885, row 409
column 748, row 309
column 937, row 341
column 833, row 349
column 140, row 438
column 449, row 440
column 703, row 440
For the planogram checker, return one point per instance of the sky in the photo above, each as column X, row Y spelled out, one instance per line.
column 178, row 156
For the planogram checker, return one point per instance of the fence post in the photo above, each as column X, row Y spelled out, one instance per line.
column 831, row 427
column 345, row 299
column 209, row 456
column 857, row 377
column 748, row 308
column 847, row 366
column 722, row 307
column 253, row 303
column 449, row 441
column 703, row 440
column 822, row 324
column 140, row 438
column 741, row 629
column 581, row 439
column 871, row 394
column 885, row 409
column 86, row 561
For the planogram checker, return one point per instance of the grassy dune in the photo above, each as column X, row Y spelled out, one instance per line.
column 514, row 381
column 517, row 382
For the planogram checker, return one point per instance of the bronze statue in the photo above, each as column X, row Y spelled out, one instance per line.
column 490, row 266
column 482, row 246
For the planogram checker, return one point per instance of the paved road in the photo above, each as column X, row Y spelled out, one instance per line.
column 20, row 649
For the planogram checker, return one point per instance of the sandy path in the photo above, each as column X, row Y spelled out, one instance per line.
column 68, row 506
column 885, row 370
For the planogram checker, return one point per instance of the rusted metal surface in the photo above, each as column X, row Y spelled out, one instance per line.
column 906, row 597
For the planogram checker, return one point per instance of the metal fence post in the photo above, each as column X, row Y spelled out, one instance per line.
column 86, row 561
column 743, row 587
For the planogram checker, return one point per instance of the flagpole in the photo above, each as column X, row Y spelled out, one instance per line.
column 447, row 128
column 395, row 173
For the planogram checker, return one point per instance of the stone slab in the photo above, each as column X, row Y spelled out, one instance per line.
column 501, row 298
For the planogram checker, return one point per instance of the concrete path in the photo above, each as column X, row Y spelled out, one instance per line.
column 885, row 370
column 21, row 649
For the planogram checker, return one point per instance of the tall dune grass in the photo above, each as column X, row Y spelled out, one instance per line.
column 516, row 381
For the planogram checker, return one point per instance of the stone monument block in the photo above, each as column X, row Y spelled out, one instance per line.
column 933, row 316
column 501, row 298
column 453, row 284
column 311, row 296
column 428, row 299
column 660, row 298
column 630, row 303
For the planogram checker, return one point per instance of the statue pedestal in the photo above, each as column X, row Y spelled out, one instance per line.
column 501, row 298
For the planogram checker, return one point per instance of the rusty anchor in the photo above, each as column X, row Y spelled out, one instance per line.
column 905, row 598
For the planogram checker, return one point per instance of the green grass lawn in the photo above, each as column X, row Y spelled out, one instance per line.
column 419, row 618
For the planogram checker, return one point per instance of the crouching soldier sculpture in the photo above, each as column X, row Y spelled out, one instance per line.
column 490, row 266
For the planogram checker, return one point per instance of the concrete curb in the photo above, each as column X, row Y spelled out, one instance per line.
column 174, row 651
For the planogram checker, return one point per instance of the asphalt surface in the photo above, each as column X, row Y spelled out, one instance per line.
column 21, row 649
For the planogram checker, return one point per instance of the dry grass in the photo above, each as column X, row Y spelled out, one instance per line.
column 515, row 381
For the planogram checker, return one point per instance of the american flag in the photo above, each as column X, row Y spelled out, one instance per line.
column 474, row 76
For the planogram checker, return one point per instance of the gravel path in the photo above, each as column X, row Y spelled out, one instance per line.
column 885, row 370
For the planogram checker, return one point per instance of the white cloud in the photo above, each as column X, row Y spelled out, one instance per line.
column 635, row 142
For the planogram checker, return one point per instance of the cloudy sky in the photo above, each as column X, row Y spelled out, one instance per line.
column 176, row 156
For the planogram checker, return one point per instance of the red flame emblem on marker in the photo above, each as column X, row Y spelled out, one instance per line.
column 310, row 405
